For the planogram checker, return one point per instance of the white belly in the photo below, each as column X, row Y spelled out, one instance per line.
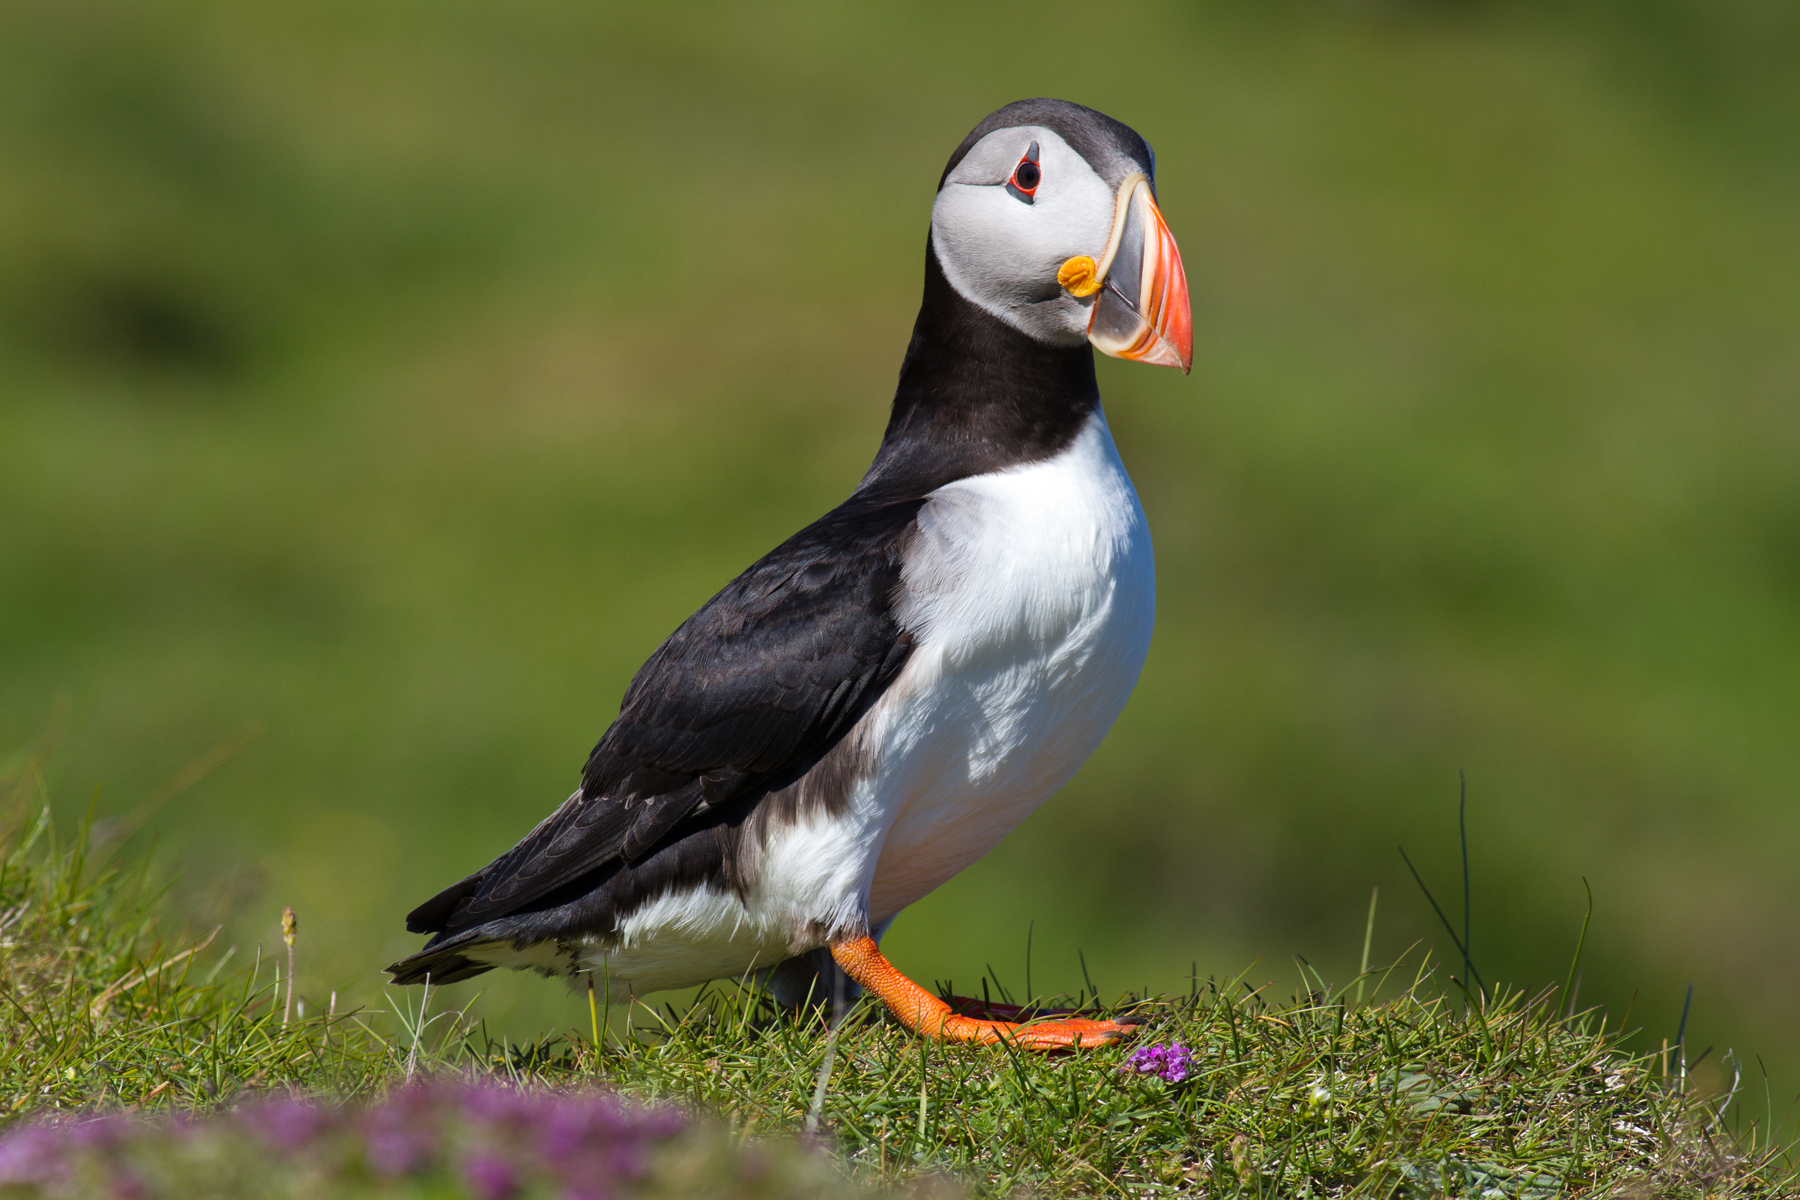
column 1031, row 593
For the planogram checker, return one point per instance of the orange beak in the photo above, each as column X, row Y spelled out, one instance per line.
column 1142, row 310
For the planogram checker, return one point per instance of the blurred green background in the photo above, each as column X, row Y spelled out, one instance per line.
column 386, row 380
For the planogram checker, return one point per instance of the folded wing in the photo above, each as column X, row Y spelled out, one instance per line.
column 743, row 699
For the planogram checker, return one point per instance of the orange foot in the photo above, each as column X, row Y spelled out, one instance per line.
column 927, row 1016
column 969, row 1006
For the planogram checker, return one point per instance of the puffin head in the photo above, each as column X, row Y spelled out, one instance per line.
column 1046, row 218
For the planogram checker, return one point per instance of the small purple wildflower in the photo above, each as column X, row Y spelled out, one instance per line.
column 493, row 1106
column 628, row 1161
column 34, row 1155
column 99, row 1133
column 288, row 1125
column 481, row 1139
column 401, row 1136
column 1170, row 1063
column 490, row 1178
column 394, row 1152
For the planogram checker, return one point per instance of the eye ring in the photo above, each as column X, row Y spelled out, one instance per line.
column 1026, row 176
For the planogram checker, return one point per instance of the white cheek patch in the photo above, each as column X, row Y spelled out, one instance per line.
column 1001, row 253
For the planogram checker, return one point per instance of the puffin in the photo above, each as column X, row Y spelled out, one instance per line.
column 874, row 704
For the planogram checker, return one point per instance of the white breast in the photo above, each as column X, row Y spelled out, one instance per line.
column 1032, row 592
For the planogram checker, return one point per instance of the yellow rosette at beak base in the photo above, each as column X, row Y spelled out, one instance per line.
column 1080, row 276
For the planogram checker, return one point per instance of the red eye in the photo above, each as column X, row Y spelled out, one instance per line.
column 1026, row 176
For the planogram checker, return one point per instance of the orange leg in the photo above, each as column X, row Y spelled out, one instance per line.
column 927, row 1016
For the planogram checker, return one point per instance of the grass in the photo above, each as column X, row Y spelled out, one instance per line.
column 1311, row 1096
column 104, row 1008
column 1389, row 1086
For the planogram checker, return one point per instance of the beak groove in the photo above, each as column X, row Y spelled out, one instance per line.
column 1142, row 311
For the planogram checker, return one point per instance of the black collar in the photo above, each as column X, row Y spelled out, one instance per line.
column 976, row 395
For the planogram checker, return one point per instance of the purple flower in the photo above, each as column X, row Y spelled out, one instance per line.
column 288, row 1125
column 498, row 1142
column 1170, row 1063
column 587, row 1123
column 100, row 1133
column 33, row 1155
column 502, row 1107
column 395, row 1152
column 490, row 1178
column 627, row 1161
column 400, row 1137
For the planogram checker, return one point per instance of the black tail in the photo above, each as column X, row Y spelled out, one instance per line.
column 442, row 960
column 439, row 964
